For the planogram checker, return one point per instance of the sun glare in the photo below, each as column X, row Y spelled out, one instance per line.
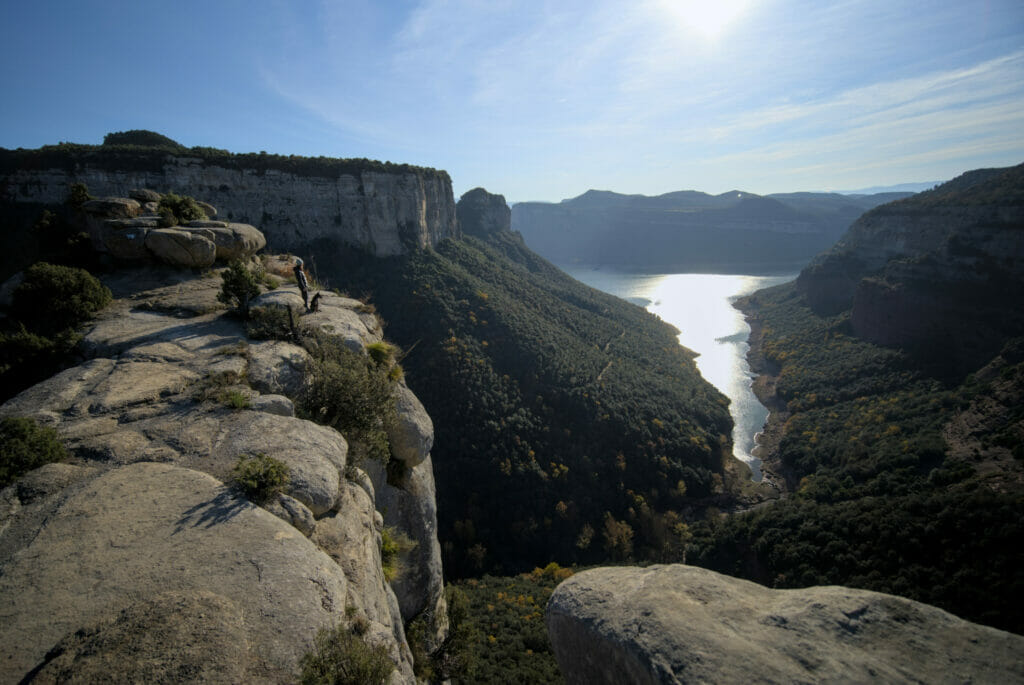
column 709, row 18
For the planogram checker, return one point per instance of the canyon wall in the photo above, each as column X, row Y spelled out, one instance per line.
column 383, row 211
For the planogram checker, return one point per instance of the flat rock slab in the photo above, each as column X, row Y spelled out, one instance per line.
column 118, row 542
column 682, row 624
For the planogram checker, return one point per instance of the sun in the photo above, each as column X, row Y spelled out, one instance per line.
column 708, row 18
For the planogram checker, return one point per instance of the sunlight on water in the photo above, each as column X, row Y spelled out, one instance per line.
column 700, row 306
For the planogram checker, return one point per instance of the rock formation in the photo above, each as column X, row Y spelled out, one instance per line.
column 938, row 266
column 481, row 213
column 137, row 559
column 683, row 624
column 381, row 209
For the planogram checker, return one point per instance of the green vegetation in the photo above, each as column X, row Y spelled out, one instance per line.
column 147, row 151
column 260, row 477
column 553, row 404
column 349, row 392
column 176, row 210
column 142, row 138
column 881, row 501
column 24, row 446
column 52, row 298
column 504, row 638
column 240, row 285
column 394, row 544
column 39, row 336
column 342, row 657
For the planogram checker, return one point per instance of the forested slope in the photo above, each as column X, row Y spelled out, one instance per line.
column 570, row 425
column 908, row 471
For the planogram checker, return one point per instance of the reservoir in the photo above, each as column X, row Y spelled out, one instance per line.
column 700, row 306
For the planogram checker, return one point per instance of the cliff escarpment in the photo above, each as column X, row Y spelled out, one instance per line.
column 382, row 209
column 941, row 265
column 137, row 559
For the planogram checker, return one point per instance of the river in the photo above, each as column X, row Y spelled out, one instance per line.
column 700, row 306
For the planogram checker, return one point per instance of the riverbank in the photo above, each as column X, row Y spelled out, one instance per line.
column 767, row 441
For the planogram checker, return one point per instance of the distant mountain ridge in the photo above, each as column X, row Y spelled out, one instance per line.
column 689, row 230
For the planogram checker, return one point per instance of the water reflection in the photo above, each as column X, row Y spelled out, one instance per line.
column 700, row 306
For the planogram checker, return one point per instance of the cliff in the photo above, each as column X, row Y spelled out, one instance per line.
column 940, row 265
column 383, row 209
column 688, row 230
column 136, row 559
column 682, row 624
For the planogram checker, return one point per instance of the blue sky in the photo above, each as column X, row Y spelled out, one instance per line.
column 539, row 100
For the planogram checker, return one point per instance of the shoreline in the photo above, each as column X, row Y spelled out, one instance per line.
column 767, row 440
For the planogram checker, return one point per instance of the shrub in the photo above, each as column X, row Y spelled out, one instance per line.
column 341, row 657
column 260, row 477
column 25, row 445
column 271, row 323
column 179, row 209
column 236, row 399
column 381, row 353
column 241, row 284
column 52, row 298
column 352, row 394
column 394, row 543
column 78, row 195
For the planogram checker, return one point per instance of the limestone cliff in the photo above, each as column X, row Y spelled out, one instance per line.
column 941, row 265
column 482, row 214
column 136, row 560
column 682, row 624
column 382, row 209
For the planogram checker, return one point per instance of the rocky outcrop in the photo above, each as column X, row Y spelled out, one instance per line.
column 137, row 558
column 676, row 624
column 942, row 266
column 381, row 212
column 481, row 213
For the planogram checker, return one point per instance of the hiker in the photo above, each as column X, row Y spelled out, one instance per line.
column 300, row 278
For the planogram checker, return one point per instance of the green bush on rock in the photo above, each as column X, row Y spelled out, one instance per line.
column 341, row 657
column 175, row 210
column 260, row 477
column 240, row 285
column 52, row 298
column 25, row 445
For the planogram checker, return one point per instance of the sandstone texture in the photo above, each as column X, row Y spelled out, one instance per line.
column 682, row 624
column 138, row 561
column 383, row 213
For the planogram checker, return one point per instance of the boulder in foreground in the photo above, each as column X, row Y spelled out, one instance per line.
column 682, row 624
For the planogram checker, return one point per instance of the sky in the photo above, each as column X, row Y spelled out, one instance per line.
column 539, row 100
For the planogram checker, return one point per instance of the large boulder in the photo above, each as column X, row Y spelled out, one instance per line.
column 117, row 543
column 675, row 624
column 144, row 195
column 113, row 207
column 181, row 248
column 412, row 434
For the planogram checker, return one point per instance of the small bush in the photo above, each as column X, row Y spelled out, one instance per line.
column 179, row 209
column 381, row 353
column 271, row 323
column 52, row 298
column 394, row 543
column 78, row 195
column 341, row 657
column 241, row 284
column 236, row 399
column 350, row 393
column 25, row 445
column 260, row 477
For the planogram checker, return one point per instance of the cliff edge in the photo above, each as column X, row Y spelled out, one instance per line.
column 136, row 559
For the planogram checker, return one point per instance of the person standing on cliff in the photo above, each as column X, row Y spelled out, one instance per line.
column 300, row 278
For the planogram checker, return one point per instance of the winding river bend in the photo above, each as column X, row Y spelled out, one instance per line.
column 700, row 306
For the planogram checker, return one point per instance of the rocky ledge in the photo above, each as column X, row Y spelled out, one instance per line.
column 682, row 624
column 136, row 560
